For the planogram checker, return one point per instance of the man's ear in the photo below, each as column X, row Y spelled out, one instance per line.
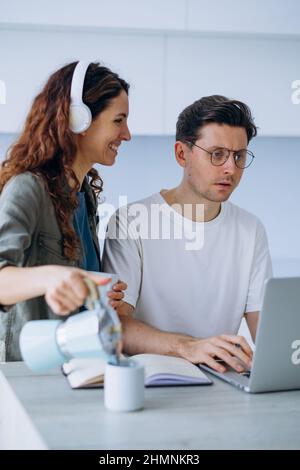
column 180, row 153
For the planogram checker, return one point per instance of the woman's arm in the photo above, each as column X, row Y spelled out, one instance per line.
column 64, row 287
column 18, row 284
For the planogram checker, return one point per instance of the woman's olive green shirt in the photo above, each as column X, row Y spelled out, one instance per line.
column 30, row 236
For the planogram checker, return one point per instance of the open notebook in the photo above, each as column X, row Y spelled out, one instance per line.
column 159, row 371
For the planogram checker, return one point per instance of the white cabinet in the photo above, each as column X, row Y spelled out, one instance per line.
column 257, row 71
column 133, row 14
column 171, row 51
column 255, row 17
column 29, row 57
column 276, row 17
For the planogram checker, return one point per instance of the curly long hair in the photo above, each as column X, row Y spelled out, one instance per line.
column 47, row 148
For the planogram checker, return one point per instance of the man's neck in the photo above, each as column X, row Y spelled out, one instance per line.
column 180, row 199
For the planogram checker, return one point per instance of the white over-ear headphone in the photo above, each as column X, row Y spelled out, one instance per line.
column 80, row 117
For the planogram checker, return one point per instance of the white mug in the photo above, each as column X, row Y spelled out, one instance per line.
column 124, row 386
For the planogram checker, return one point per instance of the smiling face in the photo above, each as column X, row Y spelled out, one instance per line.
column 206, row 181
column 100, row 143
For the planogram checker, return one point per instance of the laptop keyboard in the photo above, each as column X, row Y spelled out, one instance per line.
column 245, row 373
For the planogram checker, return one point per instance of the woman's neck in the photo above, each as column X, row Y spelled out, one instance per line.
column 80, row 168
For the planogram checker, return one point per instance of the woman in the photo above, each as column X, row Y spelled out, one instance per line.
column 48, row 201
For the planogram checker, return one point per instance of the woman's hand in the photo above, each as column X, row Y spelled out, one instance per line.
column 117, row 294
column 66, row 290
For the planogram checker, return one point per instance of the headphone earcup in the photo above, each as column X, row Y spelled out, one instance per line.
column 80, row 118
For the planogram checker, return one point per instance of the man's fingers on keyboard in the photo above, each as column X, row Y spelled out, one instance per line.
column 234, row 352
column 240, row 342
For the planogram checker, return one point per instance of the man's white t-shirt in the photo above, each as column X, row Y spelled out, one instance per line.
column 179, row 286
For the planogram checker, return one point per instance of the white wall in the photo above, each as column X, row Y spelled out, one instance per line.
column 172, row 52
column 275, row 17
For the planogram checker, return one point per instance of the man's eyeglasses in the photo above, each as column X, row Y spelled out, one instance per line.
column 242, row 158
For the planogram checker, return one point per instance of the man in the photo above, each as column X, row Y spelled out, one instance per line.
column 185, row 300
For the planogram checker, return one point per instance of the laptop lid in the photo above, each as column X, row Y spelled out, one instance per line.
column 276, row 363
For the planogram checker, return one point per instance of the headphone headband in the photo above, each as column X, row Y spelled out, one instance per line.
column 80, row 114
column 78, row 82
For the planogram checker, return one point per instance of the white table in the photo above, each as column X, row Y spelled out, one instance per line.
column 42, row 412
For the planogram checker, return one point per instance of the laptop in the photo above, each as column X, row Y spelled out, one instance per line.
column 276, row 360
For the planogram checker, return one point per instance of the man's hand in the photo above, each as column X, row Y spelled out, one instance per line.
column 116, row 296
column 231, row 349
